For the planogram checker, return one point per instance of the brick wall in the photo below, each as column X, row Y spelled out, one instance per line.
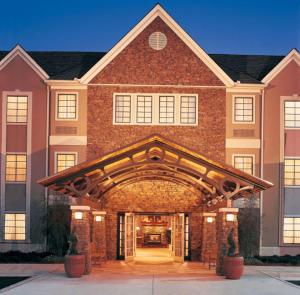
column 137, row 65
column 176, row 64
column 152, row 196
column 208, row 138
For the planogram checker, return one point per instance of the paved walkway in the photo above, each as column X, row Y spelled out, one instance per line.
column 116, row 278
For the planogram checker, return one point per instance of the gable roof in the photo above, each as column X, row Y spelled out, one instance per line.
column 246, row 68
column 63, row 65
column 19, row 51
column 157, row 11
column 293, row 55
column 154, row 157
column 69, row 65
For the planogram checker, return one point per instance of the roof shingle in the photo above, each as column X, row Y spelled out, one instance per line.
column 64, row 65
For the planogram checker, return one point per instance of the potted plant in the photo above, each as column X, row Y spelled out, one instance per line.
column 233, row 263
column 74, row 262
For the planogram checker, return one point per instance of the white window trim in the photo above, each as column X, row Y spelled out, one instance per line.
column 294, row 99
column 17, row 93
column 289, row 186
column 155, row 109
column 26, row 233
column 233, row 109
column 244, row 155
column 16, row 182
column 28, row 152
column 64, row 153
column 286, row 244
column 57, row 93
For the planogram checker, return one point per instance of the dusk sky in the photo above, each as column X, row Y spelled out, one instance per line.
column 218, row 26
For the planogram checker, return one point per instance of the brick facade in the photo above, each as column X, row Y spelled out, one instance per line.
column 153, row 196
column 138, row 63
column 207, row 138
column 176, row 65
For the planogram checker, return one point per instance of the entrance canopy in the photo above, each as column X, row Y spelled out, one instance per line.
column 155, row 158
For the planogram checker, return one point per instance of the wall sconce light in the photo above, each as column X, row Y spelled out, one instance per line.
column 78, row 215
column 209, row 219
column 229, row 217
column 137, row 228
column 98, row 218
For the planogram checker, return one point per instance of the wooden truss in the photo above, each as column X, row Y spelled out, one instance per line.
column 155, row 158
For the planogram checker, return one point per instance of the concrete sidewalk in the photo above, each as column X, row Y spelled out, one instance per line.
column 117, row 278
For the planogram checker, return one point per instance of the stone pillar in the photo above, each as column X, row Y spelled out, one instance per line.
column 209, row 239
column 99, row 237
column 80, row 224
column 226, row 219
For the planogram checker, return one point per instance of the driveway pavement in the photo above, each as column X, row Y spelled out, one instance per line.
column 115, row 278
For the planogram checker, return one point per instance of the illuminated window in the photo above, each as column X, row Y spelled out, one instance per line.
column 15, row 168
column 244, row 163
column 243, row 109
column 16, row 109
column 166, row 109
column 291, row 230
column 155, row 109
column 64, row 161
column 292, row 171
column 144, row 109
column 292, row 114
column 123, row 109
column 188, row 109
column 67, row 106
column 14, row 226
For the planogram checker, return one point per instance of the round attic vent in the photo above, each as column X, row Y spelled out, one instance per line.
column 158, row 41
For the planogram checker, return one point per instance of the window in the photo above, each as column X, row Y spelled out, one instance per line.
column 292, row 171
column 292, row 114
column 243, row 109
column 67, row 106
column 16, row 109
column 15, row 168
column 244, row 163
column 64, row 161
column 291, row 230
column 166, row 109
column 14, row 226
column 144, row 109
column 155, row 109
column 123, row 109
column 188, row 109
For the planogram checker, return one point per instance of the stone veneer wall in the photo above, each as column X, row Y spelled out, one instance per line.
column 153, row 196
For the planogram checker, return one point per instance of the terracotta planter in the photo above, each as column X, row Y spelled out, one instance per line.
column 233, row 267
column 74, row 265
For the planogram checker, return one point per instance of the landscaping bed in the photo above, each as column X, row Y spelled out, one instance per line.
column 274, row 260
column 31, row 257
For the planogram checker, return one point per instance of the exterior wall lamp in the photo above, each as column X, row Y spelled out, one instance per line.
column 209, row 219
column 229, row 217
column 78, row 215
column 98, row 218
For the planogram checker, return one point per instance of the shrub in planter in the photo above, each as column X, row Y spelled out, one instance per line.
column 74, row 262
column 233, row 263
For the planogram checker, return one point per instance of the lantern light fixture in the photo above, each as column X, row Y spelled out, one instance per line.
column 98, row 218
column 229, row 217
column 78, row 215
column 209, row 219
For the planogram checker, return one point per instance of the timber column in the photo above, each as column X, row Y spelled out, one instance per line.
column 80, row 224
column 226, row 220
column 99, row 237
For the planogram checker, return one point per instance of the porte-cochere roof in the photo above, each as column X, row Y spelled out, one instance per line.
column 155, row 158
